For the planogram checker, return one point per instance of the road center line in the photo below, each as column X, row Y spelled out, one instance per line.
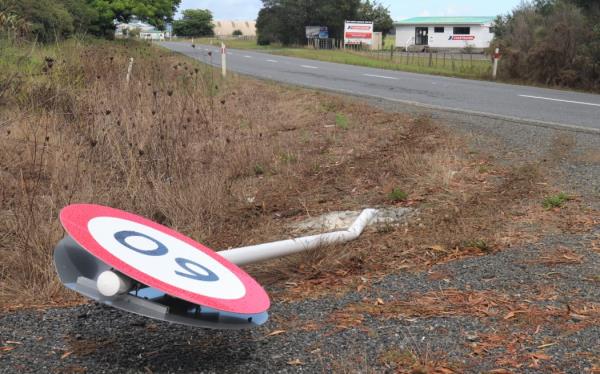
column 248, row 56
column 308, row 67
column 563, row 101
column 273, row 61
column 380, row 76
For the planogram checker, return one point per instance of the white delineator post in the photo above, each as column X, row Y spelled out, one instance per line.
column 223, row 60
column 263, row 252
column 496, row 58
column 129, row 69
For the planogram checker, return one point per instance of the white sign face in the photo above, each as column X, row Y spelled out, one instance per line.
column 358, row 32
column 162, row 256
column 163, row 259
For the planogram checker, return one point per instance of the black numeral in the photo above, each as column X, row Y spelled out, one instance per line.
column 209, row 276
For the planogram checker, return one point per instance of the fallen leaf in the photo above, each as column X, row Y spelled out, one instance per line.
column 274, row 333
column 6, row 348
column 379, row 301
column 295, row 362
column 546, row 345
column 541, row 356
column 66, row 354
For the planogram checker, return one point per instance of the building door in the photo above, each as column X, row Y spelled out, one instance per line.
column 422, row 36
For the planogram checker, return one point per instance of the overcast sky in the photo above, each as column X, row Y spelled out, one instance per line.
column 248, row 9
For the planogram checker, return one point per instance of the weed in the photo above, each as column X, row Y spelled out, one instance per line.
column 398, row 195
column 289, row 158
column 341, row 121
column 479, row 244
column 259, row 169
column 555, row 201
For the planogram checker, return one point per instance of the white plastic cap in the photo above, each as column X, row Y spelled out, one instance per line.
column 111, row 284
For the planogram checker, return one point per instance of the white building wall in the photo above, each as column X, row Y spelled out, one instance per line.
column 482, row 36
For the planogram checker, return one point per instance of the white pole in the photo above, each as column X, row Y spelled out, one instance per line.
column 111, row 283
column 223, row 60
column 495, row 70
column 269, row 251
column 129, row 69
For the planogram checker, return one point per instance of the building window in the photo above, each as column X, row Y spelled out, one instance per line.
column 462, row 31
column 438, row 30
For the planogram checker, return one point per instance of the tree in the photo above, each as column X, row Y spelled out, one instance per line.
column 47, row 19
column 555, row 42
column 378, row 14
column 284, row 21
column 52, row 19
column 156, row 12
column 237, row 33
column 195, row 23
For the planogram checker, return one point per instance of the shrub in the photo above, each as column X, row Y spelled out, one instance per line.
column 555, row 201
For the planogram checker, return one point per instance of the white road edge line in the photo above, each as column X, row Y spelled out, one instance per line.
column 380, row 76
column 563, row 101
column 308, row 67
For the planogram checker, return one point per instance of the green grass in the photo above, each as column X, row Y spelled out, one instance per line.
column 556, row 201
column 232, row 43
column 398, row 195
column 476, row 69
column 438, row 65
column 341, row 121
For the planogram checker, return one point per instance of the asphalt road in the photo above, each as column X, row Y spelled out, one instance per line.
column 521, row 103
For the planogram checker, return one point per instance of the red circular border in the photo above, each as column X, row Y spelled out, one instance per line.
column 75, row 220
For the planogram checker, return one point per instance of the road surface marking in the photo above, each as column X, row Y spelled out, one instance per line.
column 380, row 76
column 563, row 101
column 308, row 67
column 248, row 56
column 274, row 61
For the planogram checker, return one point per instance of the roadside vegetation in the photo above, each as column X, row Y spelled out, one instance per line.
column 55, row 20
column 552, row 42
column 228, row 167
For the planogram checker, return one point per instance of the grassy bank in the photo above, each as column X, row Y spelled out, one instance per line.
column 232, row 163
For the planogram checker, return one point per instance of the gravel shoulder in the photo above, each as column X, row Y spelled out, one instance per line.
column 532, row 308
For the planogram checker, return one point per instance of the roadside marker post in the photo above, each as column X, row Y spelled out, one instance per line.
column 496, row 59
column 129, row 69
column 223, row 60
column 139, row 266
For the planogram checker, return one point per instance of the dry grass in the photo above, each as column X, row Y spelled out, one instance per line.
column 231, row 163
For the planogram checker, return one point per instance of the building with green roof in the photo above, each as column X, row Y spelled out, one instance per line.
column 445, row 33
